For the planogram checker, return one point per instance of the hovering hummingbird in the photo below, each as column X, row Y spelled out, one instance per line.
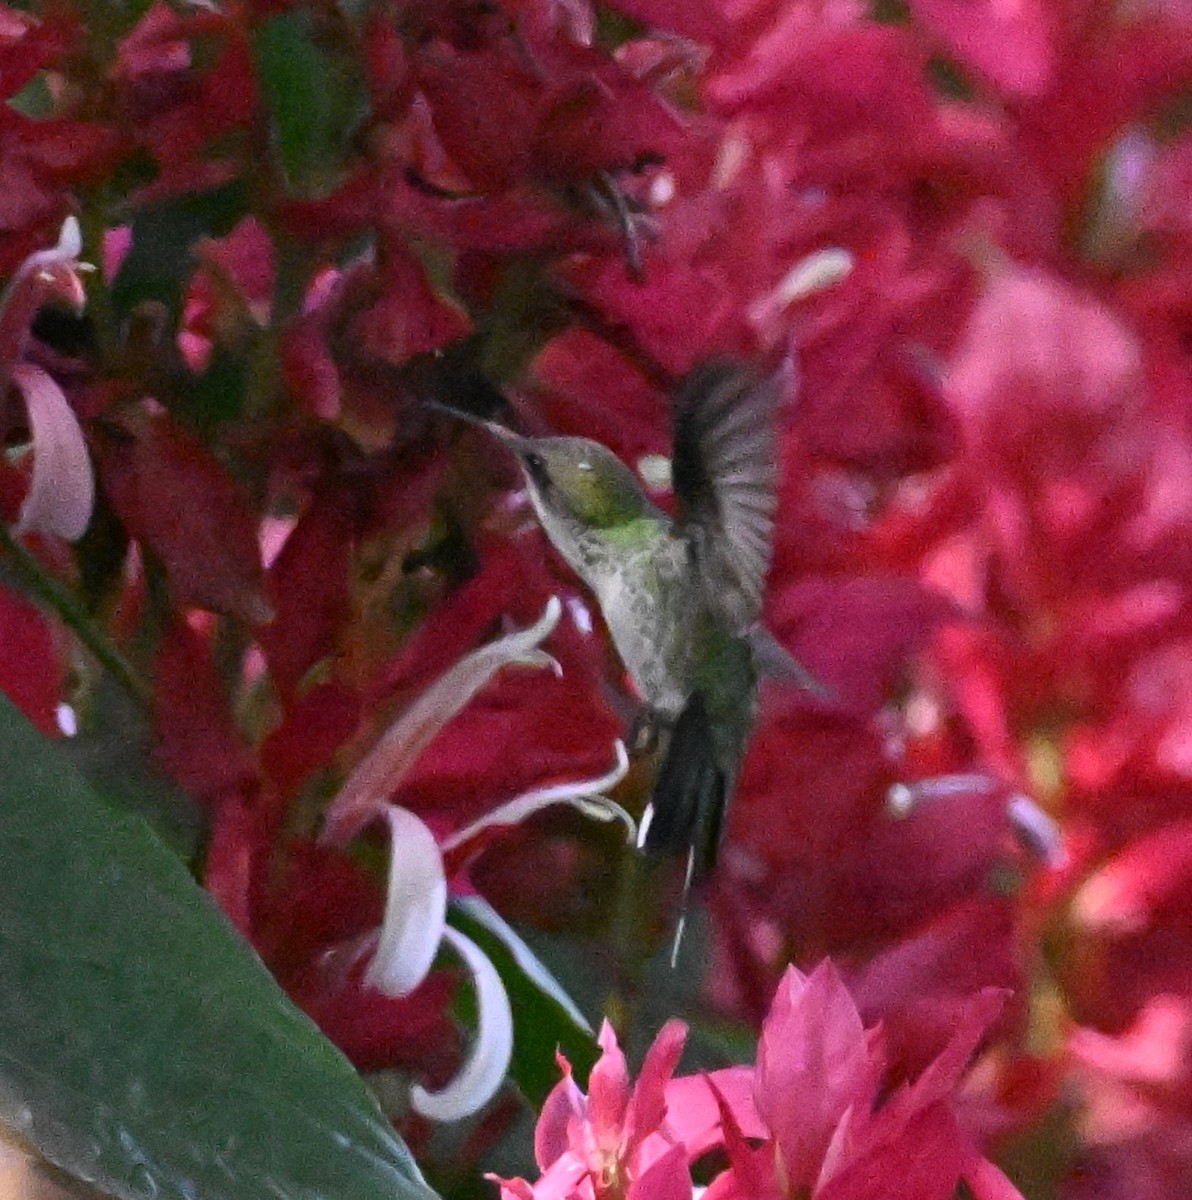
column 681, row 596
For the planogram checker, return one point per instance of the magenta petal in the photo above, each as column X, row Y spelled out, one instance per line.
column 922, row 1160
column 608, row 1086
column 666, row 1178
column 647, row 1106
column 551, row 1137
column 1009, row 44
column 987, row 1182
column 693, row 1109
column 970, row 1023
column 62, row 491
column 812, row 1066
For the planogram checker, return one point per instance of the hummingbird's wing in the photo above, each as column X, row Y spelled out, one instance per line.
column 725, row 476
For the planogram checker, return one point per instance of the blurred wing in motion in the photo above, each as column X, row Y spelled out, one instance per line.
column 725, row 479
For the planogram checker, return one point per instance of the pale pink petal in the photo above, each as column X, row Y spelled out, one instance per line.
column 563, row 1105
column 477, row 1081
column 415, row 909
column 844, row 1138
column 1149, row 874
column 1153, row 1052
column 369, row 787
column 62, row 490
column 563, row 1180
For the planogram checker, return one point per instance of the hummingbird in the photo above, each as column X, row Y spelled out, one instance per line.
column 681, row 596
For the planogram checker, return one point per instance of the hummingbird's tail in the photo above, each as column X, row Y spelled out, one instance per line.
column 686, row 811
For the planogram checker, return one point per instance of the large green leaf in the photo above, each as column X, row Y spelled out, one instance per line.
column 143, row 1047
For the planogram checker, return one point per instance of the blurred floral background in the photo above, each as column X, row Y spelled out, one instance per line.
column 266, row 595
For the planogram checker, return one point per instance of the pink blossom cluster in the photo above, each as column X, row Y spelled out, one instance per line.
column 807, row 1120
column 247, row 241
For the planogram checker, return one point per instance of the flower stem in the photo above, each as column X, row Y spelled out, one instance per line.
column 32, row 575
column 640, row 905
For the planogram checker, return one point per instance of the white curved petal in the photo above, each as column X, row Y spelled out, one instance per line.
column 70, row 240
column 534, row 969
column 481, row 1075
column 817, row 271
column 583, row 794
column 376, row 776
column 62, row 490
column 65, row 253
column 415, row 909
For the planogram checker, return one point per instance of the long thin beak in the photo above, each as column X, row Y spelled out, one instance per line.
column 513, row 442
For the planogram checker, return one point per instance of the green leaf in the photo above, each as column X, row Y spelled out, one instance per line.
column 545, row 1019
column 143, row 1047
column 218, row 394
column 313, row 101
column 160, row 260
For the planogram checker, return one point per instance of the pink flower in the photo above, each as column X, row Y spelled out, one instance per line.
column 615, row 1143
column 61, row 487
column 809, row 1120
column 826, row 1130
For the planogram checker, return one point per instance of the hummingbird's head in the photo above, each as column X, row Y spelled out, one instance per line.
column 578, row 478
column 571, row 479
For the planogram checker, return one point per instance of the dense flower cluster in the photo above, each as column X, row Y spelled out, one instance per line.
column 224, row 491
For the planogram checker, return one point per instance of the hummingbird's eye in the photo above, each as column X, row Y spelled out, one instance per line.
column 536, row 465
